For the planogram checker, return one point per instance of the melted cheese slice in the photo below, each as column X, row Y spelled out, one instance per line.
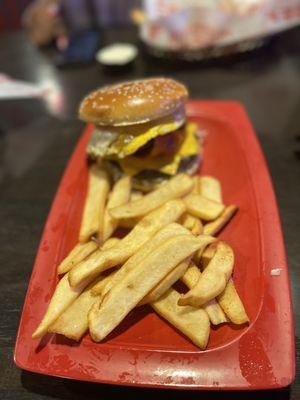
column 127, row 143
column 168, row 165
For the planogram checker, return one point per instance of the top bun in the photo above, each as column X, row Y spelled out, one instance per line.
column 133, row 102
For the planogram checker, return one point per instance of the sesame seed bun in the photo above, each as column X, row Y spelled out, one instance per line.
column 133, row 102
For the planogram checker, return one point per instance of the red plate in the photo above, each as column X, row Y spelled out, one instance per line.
column 145, row 350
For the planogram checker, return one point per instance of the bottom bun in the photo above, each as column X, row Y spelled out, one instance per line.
column 149, row 179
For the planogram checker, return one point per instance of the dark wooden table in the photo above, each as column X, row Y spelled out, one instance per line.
column 37, row 138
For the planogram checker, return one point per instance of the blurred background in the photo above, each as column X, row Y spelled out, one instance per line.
column 61, row 49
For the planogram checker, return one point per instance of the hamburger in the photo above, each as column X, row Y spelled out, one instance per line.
column 141, row 130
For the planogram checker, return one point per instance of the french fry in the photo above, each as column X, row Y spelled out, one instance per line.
column 232, row 305
column 229, row 299
column 167, row 232
column 205, row 290
column 191, row 276
column 202, row 207
column 198, row 227
column 192, row 322
column 130, row 223
column 73, row 322
column 119, row 195
column 214, row 311
column 123, row 297
column 110, row 243
column 76, row 255
column 92, row 219
column 207, row 255
column 166, row 282
column 63, row 296
column 213, row 279
column 210, row 188
column 192, row 223
column 204, row 254
column 175, row 188
column 101, row 260
column 135, row 195
column 214, row 227
column 196, row 184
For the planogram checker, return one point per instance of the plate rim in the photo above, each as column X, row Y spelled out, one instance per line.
column 222, row 110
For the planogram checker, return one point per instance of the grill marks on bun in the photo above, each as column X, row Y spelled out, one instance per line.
column 133, row 102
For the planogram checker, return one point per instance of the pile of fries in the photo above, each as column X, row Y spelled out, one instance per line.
column 171, row 237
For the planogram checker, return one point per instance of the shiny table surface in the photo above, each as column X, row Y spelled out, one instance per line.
column 38, row 135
